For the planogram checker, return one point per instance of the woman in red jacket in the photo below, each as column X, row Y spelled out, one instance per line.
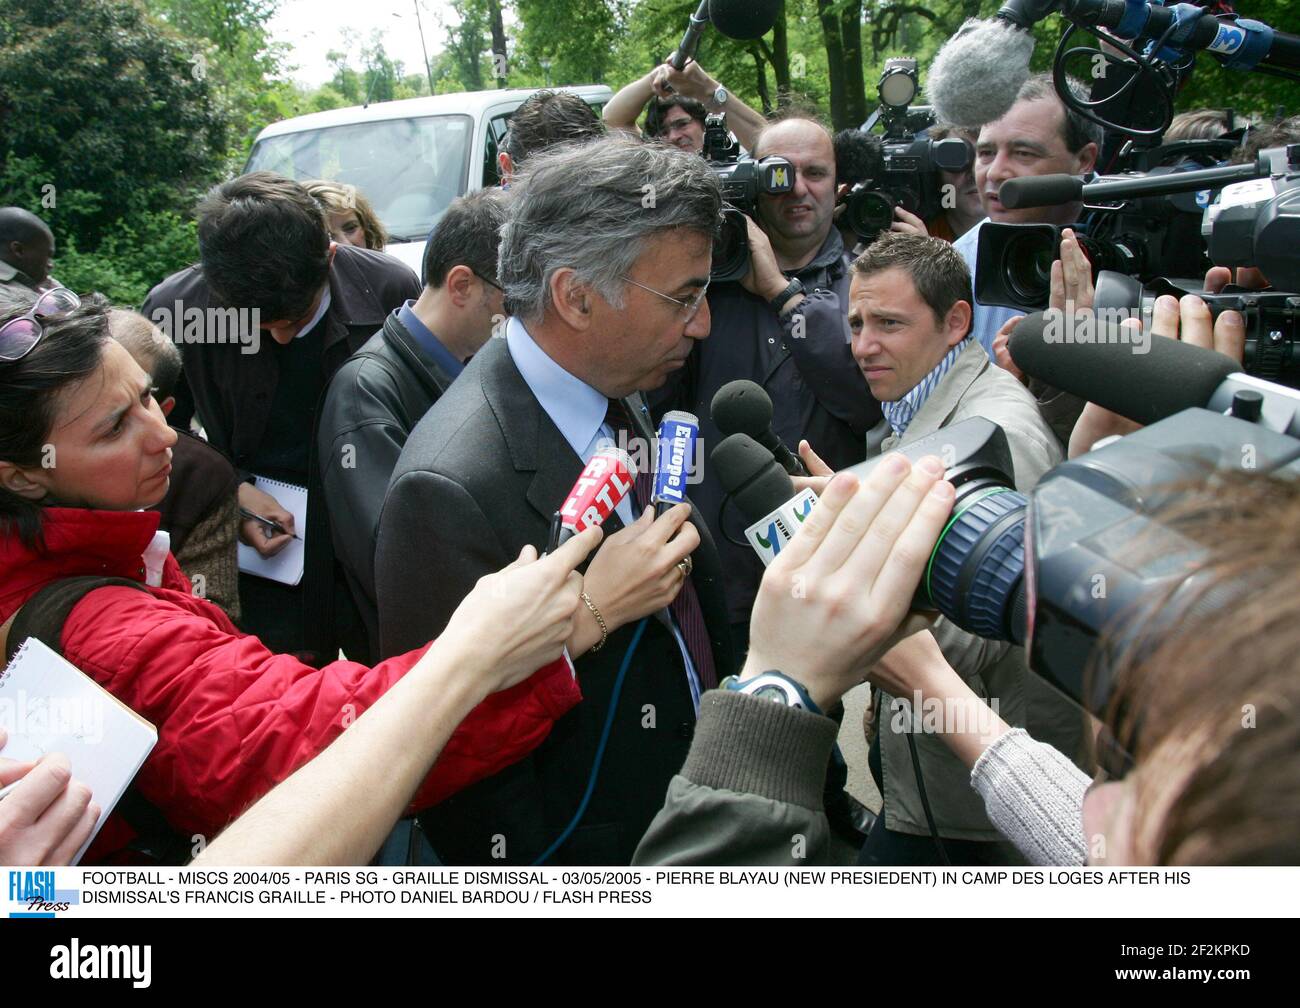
column 83, row 447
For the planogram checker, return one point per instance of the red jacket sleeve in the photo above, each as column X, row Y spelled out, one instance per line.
column 234, row 719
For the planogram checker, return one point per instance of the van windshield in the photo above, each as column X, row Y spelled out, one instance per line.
column 409, row 169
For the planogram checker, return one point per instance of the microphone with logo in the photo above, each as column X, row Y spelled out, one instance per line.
column 762, row 491
column 603, row 483
column 742, row 407
column 674, row 458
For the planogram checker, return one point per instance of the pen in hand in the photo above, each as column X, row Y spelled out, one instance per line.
column 275, row 526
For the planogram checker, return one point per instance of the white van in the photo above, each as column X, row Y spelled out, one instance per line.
column 410, row 158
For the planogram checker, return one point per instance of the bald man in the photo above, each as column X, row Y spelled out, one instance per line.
column 26, row 250
column 783, row 326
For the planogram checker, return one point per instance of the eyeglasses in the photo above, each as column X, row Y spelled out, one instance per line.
column 20, row 335
column 690, row 308
column 490, row 283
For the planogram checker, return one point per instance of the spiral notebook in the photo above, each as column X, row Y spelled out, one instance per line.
column 49, row 705
column 287, row 565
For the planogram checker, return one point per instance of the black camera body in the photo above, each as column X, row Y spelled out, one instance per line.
column 911, row 164
column 742, row 180
column 1082, row 555
column 910, row 180
column 1148, row 248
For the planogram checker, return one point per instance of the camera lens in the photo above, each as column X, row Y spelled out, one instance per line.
column 976, row 572
column 1027, row 267
column 730, row 246
column 869, row 212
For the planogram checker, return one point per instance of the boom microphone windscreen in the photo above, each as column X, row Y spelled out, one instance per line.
column 744, row 19
column 976, row 75
column 744, row 407
column 1110, row 370
column 748, row 472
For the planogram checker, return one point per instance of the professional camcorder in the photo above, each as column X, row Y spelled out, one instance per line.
column 1255, row 221
column 742, row 179
column 1092, row 549
column 910, row 177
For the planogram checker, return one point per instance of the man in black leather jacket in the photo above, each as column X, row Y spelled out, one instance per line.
column 379, row 395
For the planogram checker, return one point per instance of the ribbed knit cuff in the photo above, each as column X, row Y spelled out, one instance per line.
column 1034, row 796
column 754, row 746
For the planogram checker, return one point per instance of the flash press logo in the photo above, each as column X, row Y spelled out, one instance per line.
column 35, row 895
column 75, row 961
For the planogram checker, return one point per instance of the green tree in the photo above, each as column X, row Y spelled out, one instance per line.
column 108, row 102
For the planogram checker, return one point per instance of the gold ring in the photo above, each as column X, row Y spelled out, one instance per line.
column 686, row 566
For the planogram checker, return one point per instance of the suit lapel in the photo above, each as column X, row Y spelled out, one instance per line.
column 535, row 443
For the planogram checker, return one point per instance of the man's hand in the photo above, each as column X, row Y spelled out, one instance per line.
column 1187, row 319
column 690, row 82
column 1071, row 286
column 252, row 532
column 1001, row 355
column 48, row 816
column 834, row 597
column 1248, row 278
column 908, row 223
column 764, row 277
column 819, row 473
column 635, row 572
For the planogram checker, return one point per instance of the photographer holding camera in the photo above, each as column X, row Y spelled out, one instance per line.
column 676, row 103
column 782, row 325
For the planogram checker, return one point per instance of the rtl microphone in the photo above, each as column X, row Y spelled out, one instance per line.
column 762, row 491
column 742, row 407
column 605, row 480
column 674, row 458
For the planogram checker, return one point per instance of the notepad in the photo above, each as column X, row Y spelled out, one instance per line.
column 287, row 565
column 48, row 705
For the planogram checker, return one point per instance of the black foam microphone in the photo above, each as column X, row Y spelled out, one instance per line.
column 742, row 407
column 1109, row 369
column 748, row 472
column 1040, row 190
column 737, row 19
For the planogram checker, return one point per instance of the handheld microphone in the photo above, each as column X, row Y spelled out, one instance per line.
column 1051, row 190
column 674, row 459
column 603, row 483
column 762, row 491
column 1169, row 377
column 737, row 19
column 742, row 407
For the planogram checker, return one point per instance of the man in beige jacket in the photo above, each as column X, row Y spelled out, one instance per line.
column 910, row 316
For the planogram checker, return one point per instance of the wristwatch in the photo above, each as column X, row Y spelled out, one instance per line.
column 792, row 288
column 720, row 97
column 775, row 686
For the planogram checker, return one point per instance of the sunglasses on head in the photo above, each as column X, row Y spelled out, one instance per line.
column 20, row 335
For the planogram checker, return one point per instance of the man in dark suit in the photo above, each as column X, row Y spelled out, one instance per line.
column 268, row 267
column 604, row 261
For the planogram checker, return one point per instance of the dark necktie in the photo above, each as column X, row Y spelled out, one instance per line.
column 685, row 608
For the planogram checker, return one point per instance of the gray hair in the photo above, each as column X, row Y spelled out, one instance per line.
column 590, row 207
column 1077, row 132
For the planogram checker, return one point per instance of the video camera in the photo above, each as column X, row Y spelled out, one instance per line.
column 910, row 176
column 1255, row 222
column 742, row 179
column 1090, row 548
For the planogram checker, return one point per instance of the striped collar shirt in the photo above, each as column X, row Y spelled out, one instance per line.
column 900, row 412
